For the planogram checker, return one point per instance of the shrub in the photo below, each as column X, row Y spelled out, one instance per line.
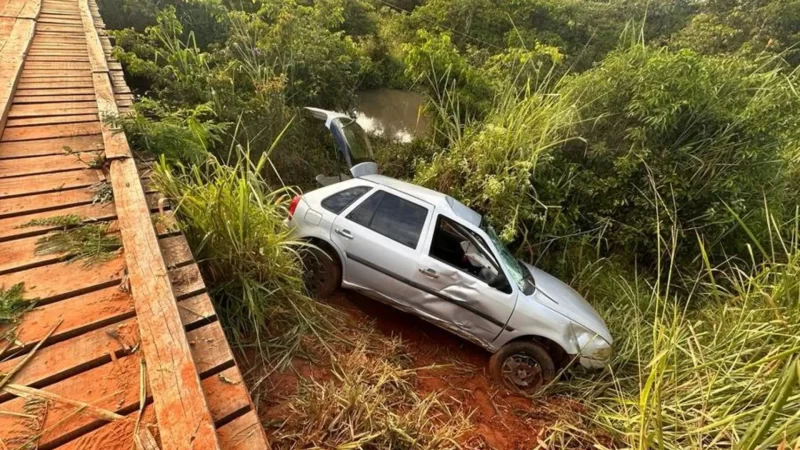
column 707, row 135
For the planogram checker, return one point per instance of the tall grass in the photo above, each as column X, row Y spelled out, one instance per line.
column 717, row 369
column 234, row 222
column 489, row 163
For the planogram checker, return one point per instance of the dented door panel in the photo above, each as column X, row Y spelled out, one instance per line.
column 462, row 301
column 458, row 300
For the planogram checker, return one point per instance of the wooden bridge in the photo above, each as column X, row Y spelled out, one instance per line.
column 120, row 354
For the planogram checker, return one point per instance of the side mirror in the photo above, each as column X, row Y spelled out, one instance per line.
column 500, row 282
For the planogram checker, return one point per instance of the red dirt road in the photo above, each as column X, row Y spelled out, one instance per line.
column 500, row 420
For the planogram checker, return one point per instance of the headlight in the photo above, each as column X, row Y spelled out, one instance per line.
column 591, row 345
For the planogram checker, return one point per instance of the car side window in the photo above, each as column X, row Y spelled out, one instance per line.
column 339, row 201
column 364, row 212
column 396, row 218
column 464, row 250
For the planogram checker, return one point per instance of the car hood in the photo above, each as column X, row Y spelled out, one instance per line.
column 558, row 296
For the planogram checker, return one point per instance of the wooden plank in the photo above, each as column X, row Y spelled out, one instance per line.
column 118, row 435
column 209, row 347
column 59, row 19
column 196, row 309
column 97, row 308
column 54, row 362
column 61, row 280
column 50, row 119
column 225, row 390
column 41, row 92
column 37, row 184
column 18, row 206
column 10, row 227
column 113, row 436
column 61, row 52
column 44, row 202
column 55, row 84
column 31, row 133
column 53, row 146
column 54, row 98
column 91, row 387
column 56, row 18
column 57, row 65
column 227, row 393
column 43, row 164
column 64, row 74
column 186, row 280
column 55, row 44
column 50, row 77
column 12, row 8
column 115, row 143
column 243, row 433
column 12, row 58
column 96, row 54
column 79, row 314
column 53, row 58
column 51, row 109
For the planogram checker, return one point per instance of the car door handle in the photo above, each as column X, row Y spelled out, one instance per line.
column 344, row 233
column 428, row 272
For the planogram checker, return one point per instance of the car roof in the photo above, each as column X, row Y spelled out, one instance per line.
column 437, row 199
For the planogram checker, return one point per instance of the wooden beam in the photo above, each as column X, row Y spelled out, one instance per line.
column 180, row 405
column 12, row 58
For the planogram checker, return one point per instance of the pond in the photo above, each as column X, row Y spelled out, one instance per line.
column 392, row 113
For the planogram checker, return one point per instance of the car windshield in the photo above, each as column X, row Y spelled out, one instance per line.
column 357, row 142
column 519, row 274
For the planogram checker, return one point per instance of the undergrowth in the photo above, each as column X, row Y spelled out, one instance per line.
column 234, row 223
column 716, row 369
column 368, row 402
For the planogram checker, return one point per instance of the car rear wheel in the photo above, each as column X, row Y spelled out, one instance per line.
column 523, row 366
column 322, row 273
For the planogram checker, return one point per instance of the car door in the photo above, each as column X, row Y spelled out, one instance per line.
column 381, row 238
column 352, row 145
column 460, row 282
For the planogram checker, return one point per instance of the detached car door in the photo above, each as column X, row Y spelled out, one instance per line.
column 461, row 283
column 381, row 237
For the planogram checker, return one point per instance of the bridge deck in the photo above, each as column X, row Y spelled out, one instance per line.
column 97, row 333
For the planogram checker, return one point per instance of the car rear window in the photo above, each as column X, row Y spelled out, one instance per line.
column 339, row 201
column 398, row 219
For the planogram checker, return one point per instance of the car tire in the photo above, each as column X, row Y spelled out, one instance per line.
column 522, row 366
column 323, row 273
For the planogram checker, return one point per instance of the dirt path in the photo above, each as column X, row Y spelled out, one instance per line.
column 500, row 420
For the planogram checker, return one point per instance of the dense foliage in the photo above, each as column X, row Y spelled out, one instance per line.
column 647, row 151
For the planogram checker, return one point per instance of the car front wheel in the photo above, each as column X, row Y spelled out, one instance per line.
column 523, row 366
column 322, row 272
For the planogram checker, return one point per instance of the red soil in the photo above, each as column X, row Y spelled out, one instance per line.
column 501, row 420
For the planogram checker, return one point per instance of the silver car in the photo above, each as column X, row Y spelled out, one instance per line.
column 428, row 254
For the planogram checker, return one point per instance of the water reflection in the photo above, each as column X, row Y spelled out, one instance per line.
column 392, row 113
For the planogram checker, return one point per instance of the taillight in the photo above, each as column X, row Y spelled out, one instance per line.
column 293, row 205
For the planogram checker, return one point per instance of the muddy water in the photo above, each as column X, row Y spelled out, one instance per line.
column 392, row 113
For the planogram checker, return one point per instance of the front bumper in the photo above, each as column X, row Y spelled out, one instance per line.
column 594, row 364
column 595, row 353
